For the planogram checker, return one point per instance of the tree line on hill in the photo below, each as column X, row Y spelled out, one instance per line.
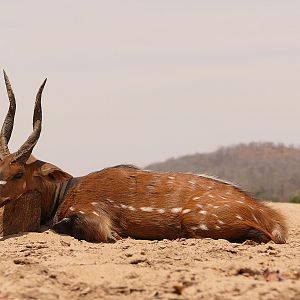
column 269, row 171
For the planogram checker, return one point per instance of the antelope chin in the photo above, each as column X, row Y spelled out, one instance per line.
column 5, row 201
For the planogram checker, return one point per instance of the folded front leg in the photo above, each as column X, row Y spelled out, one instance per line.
column 87, row 226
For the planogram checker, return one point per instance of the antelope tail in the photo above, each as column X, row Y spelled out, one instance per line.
column 267, row 224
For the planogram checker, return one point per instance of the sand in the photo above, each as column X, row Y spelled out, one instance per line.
column 51, row 266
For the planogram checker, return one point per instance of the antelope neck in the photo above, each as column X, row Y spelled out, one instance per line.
column 61, row 190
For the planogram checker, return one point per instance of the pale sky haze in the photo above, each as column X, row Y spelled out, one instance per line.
column 141, row 81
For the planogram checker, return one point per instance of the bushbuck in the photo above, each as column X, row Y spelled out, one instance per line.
column 124, row 201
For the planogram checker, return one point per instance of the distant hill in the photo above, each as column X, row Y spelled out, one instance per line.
column 269, row 171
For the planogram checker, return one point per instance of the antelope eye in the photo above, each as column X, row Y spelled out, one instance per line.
column 18, row 175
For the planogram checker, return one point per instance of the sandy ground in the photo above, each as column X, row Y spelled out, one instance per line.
column 50, row 266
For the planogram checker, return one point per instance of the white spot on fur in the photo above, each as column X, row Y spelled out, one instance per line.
column 191, row 182
column 200, row 205
column 216, row 206
column 203, row 212
column 71, row 208
column 171, row 177
column 94, row 203
column 131, row 208
column 217, row 227
column 240, row 202
column 186, row 211
column 224, row 198
column 146, row 209
column 123, row 206
column 203, row 227
column 176, row 210
column 239, row 217
column 194, row 228
column 3, row 182
column 196, row 198
column 109, row 200
column 210, row 205
column 220, row 222
column 161, row 210
column 81, row 212
column 227, row 205
column 211, row 196
column 277, row 233
column 95, row 213
column 116, row 206
column 215, row 215
column 254, row 218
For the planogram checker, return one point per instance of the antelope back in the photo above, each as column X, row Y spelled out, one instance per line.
column 156, row 205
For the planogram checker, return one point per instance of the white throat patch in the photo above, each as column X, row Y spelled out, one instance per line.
column 3, row 182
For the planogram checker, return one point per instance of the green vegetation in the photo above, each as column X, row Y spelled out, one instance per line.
column 295, row 199
column 269, row 171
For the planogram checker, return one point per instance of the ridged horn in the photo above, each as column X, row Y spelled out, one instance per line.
column 25, row 150
column 8, row 123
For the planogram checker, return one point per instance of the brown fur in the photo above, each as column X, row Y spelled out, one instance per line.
column 129, row 202
column 21, row 215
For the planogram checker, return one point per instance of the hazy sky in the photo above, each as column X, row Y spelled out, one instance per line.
column 141, row 81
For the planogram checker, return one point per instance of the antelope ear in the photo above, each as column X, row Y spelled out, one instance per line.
column 52, row 172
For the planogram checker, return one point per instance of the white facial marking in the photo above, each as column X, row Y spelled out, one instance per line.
column 131, row 208
column 94, row 203
column 3, row 182
column 217, row 227
column 81, row 212
column 186, row 211
column 220, row 222
column 95, row 213
column 203, row 227
column 161, row 210
column 239, row 217
column 203, row 212
column 176, row 210
column 196, row 198
column 123, row 206
column 147, row 209
column 71, row 208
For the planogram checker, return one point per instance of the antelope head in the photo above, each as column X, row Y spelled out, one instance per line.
column 19, row 171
